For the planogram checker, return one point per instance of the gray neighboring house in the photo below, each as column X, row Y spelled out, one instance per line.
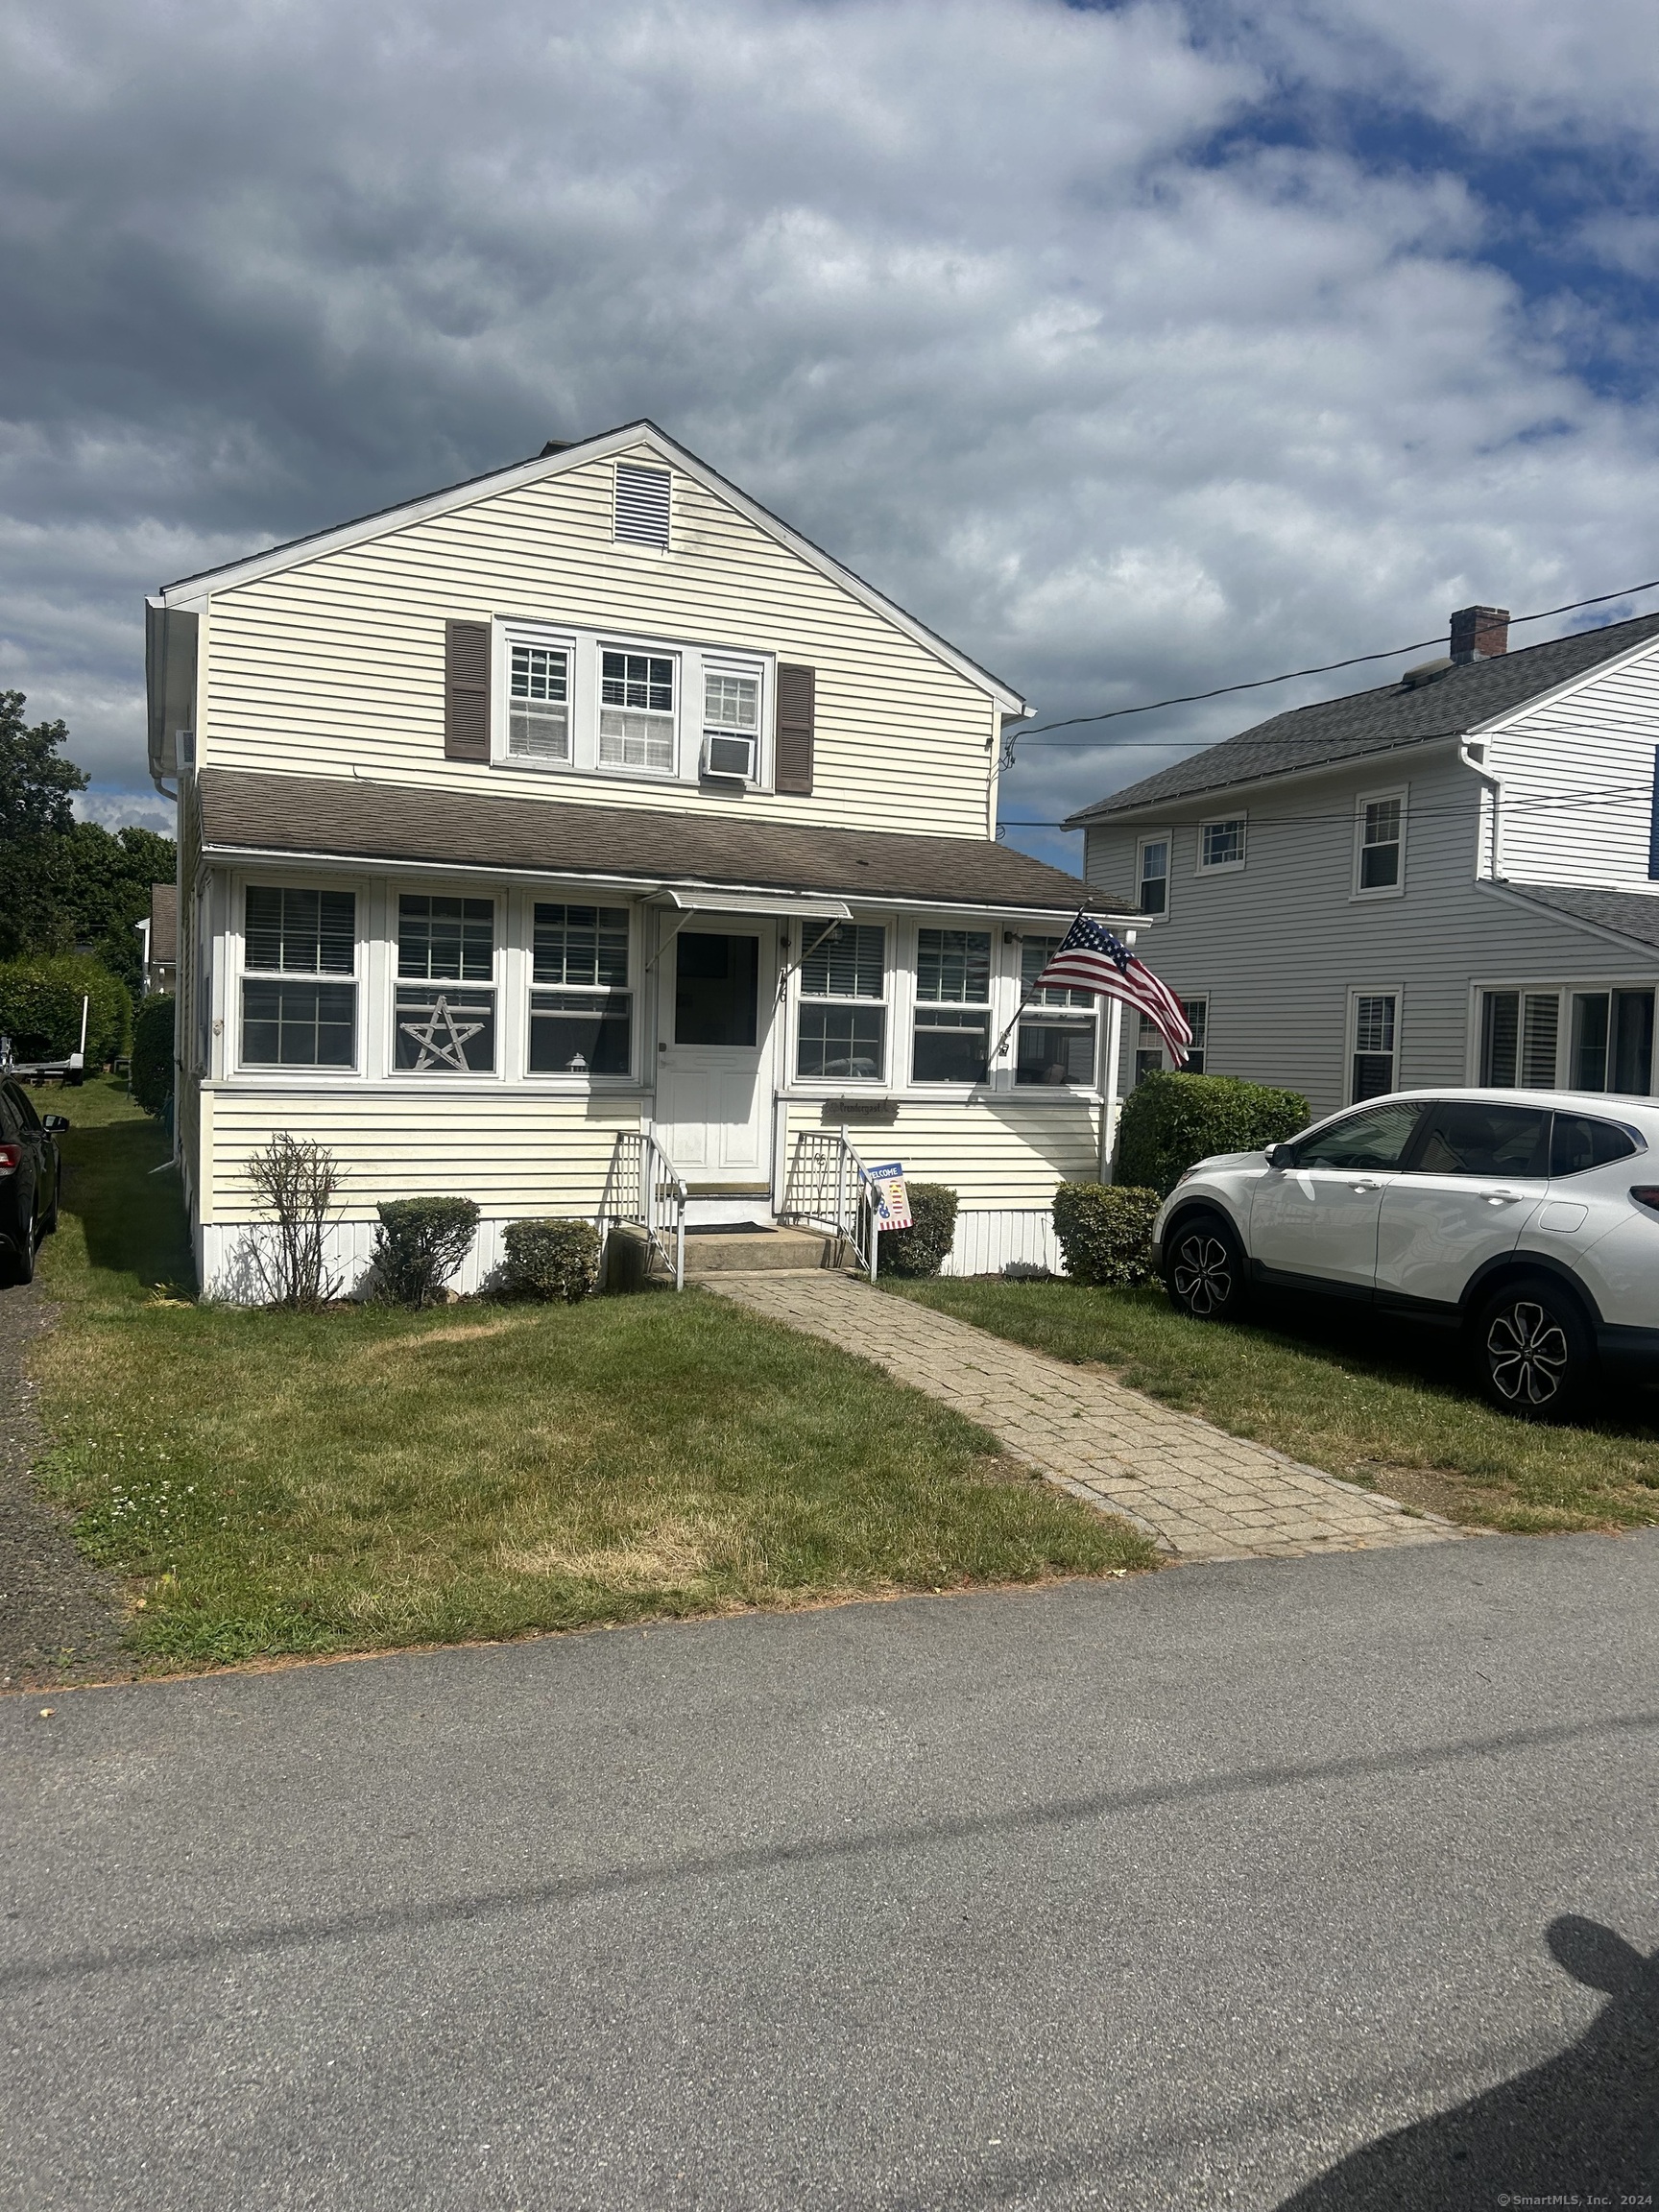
column 1451, row 880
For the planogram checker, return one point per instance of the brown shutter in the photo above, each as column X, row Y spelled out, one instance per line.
column 797, row 695
column 467, row 690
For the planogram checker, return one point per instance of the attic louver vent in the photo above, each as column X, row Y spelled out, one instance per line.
column 642, row 504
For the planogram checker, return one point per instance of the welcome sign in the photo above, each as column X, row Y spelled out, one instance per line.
column 892, row 1199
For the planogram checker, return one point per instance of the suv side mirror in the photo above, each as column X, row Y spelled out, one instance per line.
column 55, row 1123
column 1279, row 1155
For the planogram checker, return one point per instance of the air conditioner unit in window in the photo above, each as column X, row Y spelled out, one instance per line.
column 730, row 758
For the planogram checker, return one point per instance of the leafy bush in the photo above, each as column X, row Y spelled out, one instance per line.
column 1105, row 1231
column 152, row 1051
column 552, row 1259
column 296, row 1183
column 419, row 1245
column 920, row 1249
column 1172, row 1120
column 40, row 1008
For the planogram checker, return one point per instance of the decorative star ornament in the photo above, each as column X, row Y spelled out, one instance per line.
column 434, row 1050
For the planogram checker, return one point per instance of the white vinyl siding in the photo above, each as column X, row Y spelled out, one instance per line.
column 335, row 666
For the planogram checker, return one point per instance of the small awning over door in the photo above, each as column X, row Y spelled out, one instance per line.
column 785, row 904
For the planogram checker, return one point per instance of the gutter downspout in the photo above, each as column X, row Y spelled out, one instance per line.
column 1479, row 768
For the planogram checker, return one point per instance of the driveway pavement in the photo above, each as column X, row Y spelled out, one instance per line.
column 1189, row 1891
column 1197, row 1492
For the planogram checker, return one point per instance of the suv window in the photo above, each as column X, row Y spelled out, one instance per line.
column 1375, row 1139
column 10, row 1120
column 1464, row 1136
column 1581, row 1142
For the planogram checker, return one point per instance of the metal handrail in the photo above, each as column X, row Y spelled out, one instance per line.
column 829, row 1187
column 643, row 1188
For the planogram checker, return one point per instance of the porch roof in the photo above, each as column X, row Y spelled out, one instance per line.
column 339, row 818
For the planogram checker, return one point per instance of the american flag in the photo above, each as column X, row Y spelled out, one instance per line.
column 1091, row 958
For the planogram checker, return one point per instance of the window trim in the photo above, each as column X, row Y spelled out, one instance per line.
column 1224, row 867
column 817, row 1086
column 562, row 1079
column 237, row 973
column 1165, row 838
column 1356, row 992
column 1363, row 800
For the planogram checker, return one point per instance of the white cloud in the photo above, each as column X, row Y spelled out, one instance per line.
column 969, row 289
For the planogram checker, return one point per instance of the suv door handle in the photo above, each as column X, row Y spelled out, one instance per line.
column 1499, row 1197
column 1366, row 1183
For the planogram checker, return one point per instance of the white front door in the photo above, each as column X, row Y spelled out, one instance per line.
column 713, row 1094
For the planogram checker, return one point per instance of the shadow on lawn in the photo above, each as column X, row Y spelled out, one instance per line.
column 133, row 1220
column 1581, row 2128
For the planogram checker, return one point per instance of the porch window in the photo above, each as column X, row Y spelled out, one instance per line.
column 1056, row 1038
column 952, row 1019
column 446, row 1012
column 842, row 1034
column 292, row 940
column 637, row 710
column 584, row 1027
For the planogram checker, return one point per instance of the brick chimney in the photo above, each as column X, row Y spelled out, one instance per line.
column 1478, row 633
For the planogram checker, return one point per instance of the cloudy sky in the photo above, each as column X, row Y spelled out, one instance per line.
column 1136, row 349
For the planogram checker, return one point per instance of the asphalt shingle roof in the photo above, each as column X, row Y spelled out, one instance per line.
column 1631, row 913
column 357, row 819
column 1378, row 721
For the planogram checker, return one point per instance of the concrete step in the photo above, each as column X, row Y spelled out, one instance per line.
column 732, row 1250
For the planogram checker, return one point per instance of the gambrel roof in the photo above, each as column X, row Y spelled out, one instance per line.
column 629, row 438
column 1453, row 703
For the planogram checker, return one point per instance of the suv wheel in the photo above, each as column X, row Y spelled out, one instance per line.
column 1533, row 1350
column 1204, row 1268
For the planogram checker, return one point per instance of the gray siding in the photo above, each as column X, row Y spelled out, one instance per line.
column 1577, row 780
column 1278, row 947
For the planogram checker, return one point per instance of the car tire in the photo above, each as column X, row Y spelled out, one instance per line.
column 1533, row 1352
column 1204, row 1267
column 19, row 1261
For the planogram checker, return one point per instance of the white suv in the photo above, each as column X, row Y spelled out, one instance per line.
column 1528, row 1219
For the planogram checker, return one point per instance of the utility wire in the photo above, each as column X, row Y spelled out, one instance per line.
column 1323, row 668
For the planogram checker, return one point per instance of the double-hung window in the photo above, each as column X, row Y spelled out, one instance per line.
column 731, row 724
column 538, row 701
column 299, row 980
column 1519, row 1034
column 585, row 1026
column 1152, row 870
column 637, row 710
column 1379, row 845
column 1056, row 1042
column 952, row 1018
column 1221, row 845
column 1376, row 1015
column 842, row 1033
column 445, row 1009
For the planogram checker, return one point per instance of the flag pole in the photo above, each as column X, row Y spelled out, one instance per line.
column 1109, row 1092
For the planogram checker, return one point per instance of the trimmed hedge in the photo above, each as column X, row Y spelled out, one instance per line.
column 922, row 1248
column 552, row 1259
column 152, row 1052
column 1170, row 1120
column 419, row 1245
column 40, row 1008
column 1105, row 1231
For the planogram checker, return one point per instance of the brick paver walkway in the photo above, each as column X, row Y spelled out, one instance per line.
column 1196, row 1491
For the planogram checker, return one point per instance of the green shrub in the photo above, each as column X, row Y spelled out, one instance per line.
column 152, row 1052
column 40, row 1008
column 1172, row 1120
column 920, row 1249
column 419, row 1245
column 1105, row 1231
column 552, row 1259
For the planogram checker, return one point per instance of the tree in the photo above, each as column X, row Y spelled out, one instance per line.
column 35, row 787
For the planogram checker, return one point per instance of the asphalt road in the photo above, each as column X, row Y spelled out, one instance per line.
column 1185, row 1892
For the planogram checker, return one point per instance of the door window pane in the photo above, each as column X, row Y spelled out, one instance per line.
column 951, row 1045
column 1466, row 1138
column 299, row 1024
column 1377, row 1139
column 716, row 988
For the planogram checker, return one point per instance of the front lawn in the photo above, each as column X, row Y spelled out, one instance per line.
column 1384, row 1406
column 287, row 1483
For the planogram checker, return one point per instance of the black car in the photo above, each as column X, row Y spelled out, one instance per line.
column 29, row 1174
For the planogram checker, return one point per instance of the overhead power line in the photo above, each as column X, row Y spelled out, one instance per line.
column 1289, row 675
